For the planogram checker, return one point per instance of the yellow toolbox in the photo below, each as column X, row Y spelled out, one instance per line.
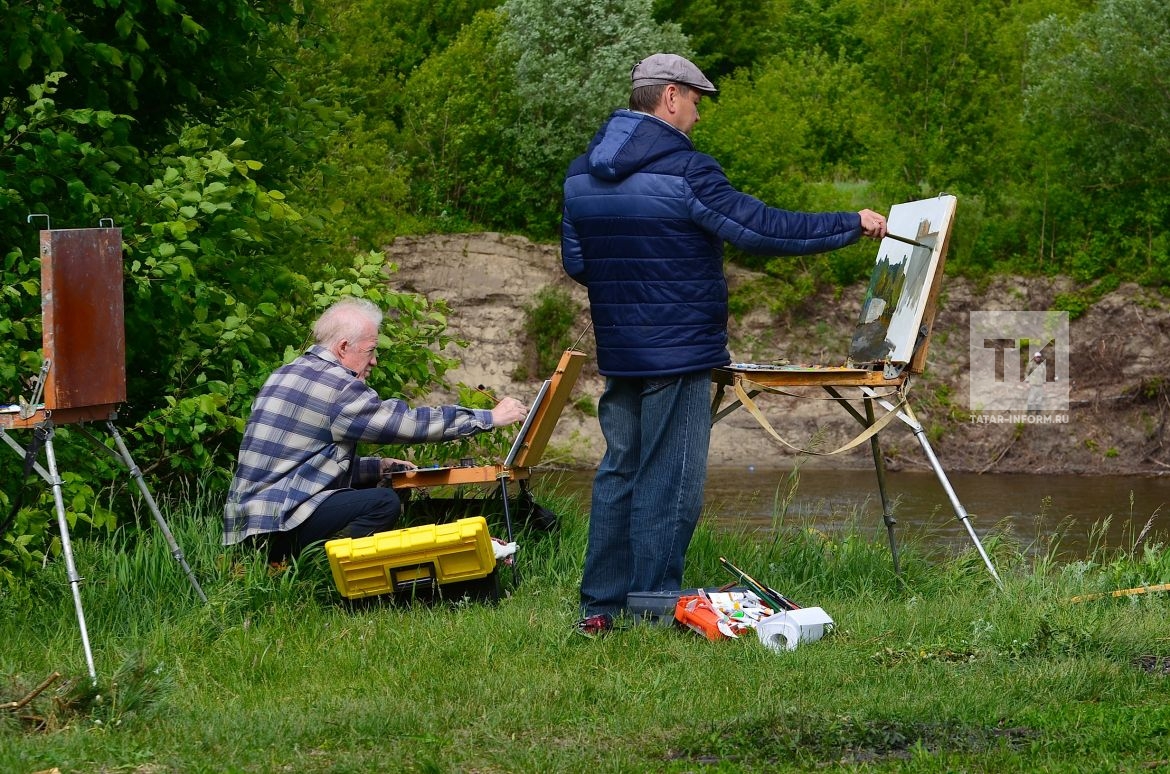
column 406, row 560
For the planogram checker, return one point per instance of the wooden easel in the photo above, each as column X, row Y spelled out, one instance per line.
column 531, row 443
column 83, row 373
column 880, row 384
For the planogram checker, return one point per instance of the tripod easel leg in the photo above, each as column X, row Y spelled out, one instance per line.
column 907, row 416
column 67, row 550
column 879, row 466
column 176, row 552
column 960, row 511
column 508, row 526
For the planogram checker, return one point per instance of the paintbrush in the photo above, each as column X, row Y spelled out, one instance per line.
column 485, row 393
column 907, row 240
column 771, row 597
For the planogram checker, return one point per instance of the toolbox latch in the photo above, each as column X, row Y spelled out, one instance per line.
column 429, row 580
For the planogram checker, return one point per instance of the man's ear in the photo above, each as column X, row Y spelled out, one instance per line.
column 670, row 97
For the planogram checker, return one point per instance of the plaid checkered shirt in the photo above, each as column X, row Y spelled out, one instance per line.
column 301, row 437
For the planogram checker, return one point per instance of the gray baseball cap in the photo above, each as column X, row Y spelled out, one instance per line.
column 670, row 68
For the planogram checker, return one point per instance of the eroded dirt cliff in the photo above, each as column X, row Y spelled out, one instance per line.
column 1119, row 384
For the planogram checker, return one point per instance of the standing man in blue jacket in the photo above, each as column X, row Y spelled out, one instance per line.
column 645, row 218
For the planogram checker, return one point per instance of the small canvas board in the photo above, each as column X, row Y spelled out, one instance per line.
column 519, row 441
column 529, row 443
column 521, row 437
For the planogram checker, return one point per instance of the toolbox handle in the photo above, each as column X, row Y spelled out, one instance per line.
column 429, row 580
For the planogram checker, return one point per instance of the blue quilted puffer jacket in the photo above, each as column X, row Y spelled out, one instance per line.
column 645, row 218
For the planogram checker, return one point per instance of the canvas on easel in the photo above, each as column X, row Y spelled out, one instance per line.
column 546, row 410
column 897, row 313
column 898, row 310
column 83, row 337
column 527, row 447
column 521, row 442
column 83, row 326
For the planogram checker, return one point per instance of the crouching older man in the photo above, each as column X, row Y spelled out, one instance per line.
column 298, row 479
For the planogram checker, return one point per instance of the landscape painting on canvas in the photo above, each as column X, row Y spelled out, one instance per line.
column 901, row 283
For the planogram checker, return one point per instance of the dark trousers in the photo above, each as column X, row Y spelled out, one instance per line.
column 345, row 513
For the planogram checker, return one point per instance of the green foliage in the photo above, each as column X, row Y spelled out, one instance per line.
column 586, row 405
column 133, row 694
column 727, row 35
column 1109, row 134
column 162, row 62
column 549, row 321
column 344, row 101
column 791, row 122
column 490, row 147
column 823, row 105
column 375, row 45
column 572, row 68
column 1077, row 302
column 955, row 77
column 199, row 232
column 1081, row 75
column 25, row 549
column 456, row 131
column 778, row 295
column 362, row 187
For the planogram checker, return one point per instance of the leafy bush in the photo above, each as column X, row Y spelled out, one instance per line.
column 549, row 321
column 455, row 131
column 1107, row 132
column 163, row 63
column 571, row 69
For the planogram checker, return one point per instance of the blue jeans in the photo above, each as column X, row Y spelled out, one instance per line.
column 648, row 491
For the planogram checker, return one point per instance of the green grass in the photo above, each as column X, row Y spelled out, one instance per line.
column 943, row 672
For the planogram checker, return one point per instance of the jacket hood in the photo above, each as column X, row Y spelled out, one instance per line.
column 629, row 141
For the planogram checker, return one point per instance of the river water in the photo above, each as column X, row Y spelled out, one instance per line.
column 1034, row 508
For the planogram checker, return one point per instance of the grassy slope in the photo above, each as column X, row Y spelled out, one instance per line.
column 274, row 675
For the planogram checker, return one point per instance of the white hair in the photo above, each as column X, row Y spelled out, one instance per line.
column 345, row 320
